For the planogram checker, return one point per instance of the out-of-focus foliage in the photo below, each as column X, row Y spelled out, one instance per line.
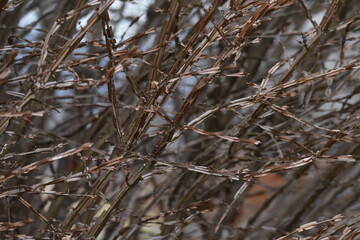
column 179, row 119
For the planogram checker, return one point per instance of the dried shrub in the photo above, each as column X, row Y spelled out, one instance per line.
column 179, row 119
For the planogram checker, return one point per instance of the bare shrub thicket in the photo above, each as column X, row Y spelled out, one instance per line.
column 179, row 119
